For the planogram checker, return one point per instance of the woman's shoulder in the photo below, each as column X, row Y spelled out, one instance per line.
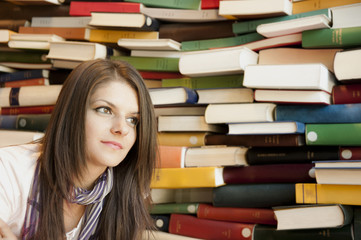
column 22, row 155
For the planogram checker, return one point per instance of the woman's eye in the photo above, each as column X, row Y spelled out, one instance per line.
column 133, row 121
column 105, row 110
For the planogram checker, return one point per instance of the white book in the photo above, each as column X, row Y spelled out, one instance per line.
column 29, row 95
column 186, row 124
column 232, row 60
column 5, row 35
column 224, row 95
column 149, row 44
column 33, row 41
column 6, row 69
column 285, row 40
column 294, row 25
column 289, row 76
column 255, row 8
column 35, row 2
column 214, row 156
column 77, row 51
column 158, row 53
column 346, row 16
column 15, row 137
column 66, row 64
column 347, row 65
column 63, row 21
column 239, row 112
column 183, row 15
column 266, row 128
column 292, row 96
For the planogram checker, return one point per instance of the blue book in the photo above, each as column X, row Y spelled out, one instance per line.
column 24, row 74
column 8, row 121
column 173, row 95
column 336, row 113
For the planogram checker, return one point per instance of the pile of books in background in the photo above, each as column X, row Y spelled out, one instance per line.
column 258, row 104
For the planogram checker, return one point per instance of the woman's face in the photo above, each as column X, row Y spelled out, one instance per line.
column 110, row 126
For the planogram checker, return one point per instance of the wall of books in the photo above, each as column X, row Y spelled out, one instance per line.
column 258, row 104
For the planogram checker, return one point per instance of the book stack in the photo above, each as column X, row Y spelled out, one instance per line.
column 258, row 105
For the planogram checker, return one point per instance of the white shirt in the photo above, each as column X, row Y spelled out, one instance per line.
column 17, row 167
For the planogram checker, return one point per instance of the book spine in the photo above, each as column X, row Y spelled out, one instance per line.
column 184, row 4
column 220, row 42
column 24, row 57
column 67, row 33
column 276, row 155
column 151, row 63
column 262, row 232
column 8, row 122
column 26, row 110
column 161, row 221
column 36, row 122
column 188, row 139
column 168, row 208
column 262, row 195
column 345, row 94
column 21, row 75
column 338, row 134
column 350, row 153
column 280, row 140
column 27, row 82
column 313, row 193
column 331, row 38
column 335, row 113
column 85, row 8
column 269, row 173
column 243, row 215
column 112, row 36
column 227, row 81
column 191, row 226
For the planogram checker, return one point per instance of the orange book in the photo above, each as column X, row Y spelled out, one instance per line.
column 65, row 32
column 312, row 5
column 171, row 156
column 27, row 82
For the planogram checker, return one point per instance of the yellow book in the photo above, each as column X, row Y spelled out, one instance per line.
column 112, row 36
column 193, row 177
column 313, row 193
column 312, row 5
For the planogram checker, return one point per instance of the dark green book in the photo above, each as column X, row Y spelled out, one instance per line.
column 227, row 81
column 23, row 57
column 151, row 63
column 332, row 38
column 267, row 232
column 262, row 195
column 220, row 42
column 168, row 208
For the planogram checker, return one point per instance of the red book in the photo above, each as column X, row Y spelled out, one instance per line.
column 269, row 173
column 188, row 225
column 347, row 93
column 26, row 110
column 85, row 8
column 350, row 153
column 27, row 82
column 209, row 4
column 160, row 75
column 233, row 214
column 171, row 156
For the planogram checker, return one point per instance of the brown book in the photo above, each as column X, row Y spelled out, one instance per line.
column 67, row 33
column 346, row 94
column 12, row 11
column 196, row 31
column 26, row 82
column 269, row 173
column 273, row 140
column 13, row 24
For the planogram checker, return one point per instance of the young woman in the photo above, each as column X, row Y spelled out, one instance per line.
column 89, row 177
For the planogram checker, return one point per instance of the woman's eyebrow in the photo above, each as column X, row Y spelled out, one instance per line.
column 112, row 105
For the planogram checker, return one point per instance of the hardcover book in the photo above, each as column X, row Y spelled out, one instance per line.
column 346, row 94
column 173, row 95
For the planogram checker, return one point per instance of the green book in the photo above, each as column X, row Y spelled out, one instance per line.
column 227, row 81
column 339, row 134
column 24, row 57
column 220, row 42
column 168, row 208
column 151, row 63
column 243, row 27
column 183, row 4
column 332, row 38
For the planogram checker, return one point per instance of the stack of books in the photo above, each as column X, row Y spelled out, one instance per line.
column 258, row 104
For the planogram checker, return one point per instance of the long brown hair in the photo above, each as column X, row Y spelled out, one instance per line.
column 125, row 212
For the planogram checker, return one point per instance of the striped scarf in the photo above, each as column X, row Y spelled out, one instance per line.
column 93, row 199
